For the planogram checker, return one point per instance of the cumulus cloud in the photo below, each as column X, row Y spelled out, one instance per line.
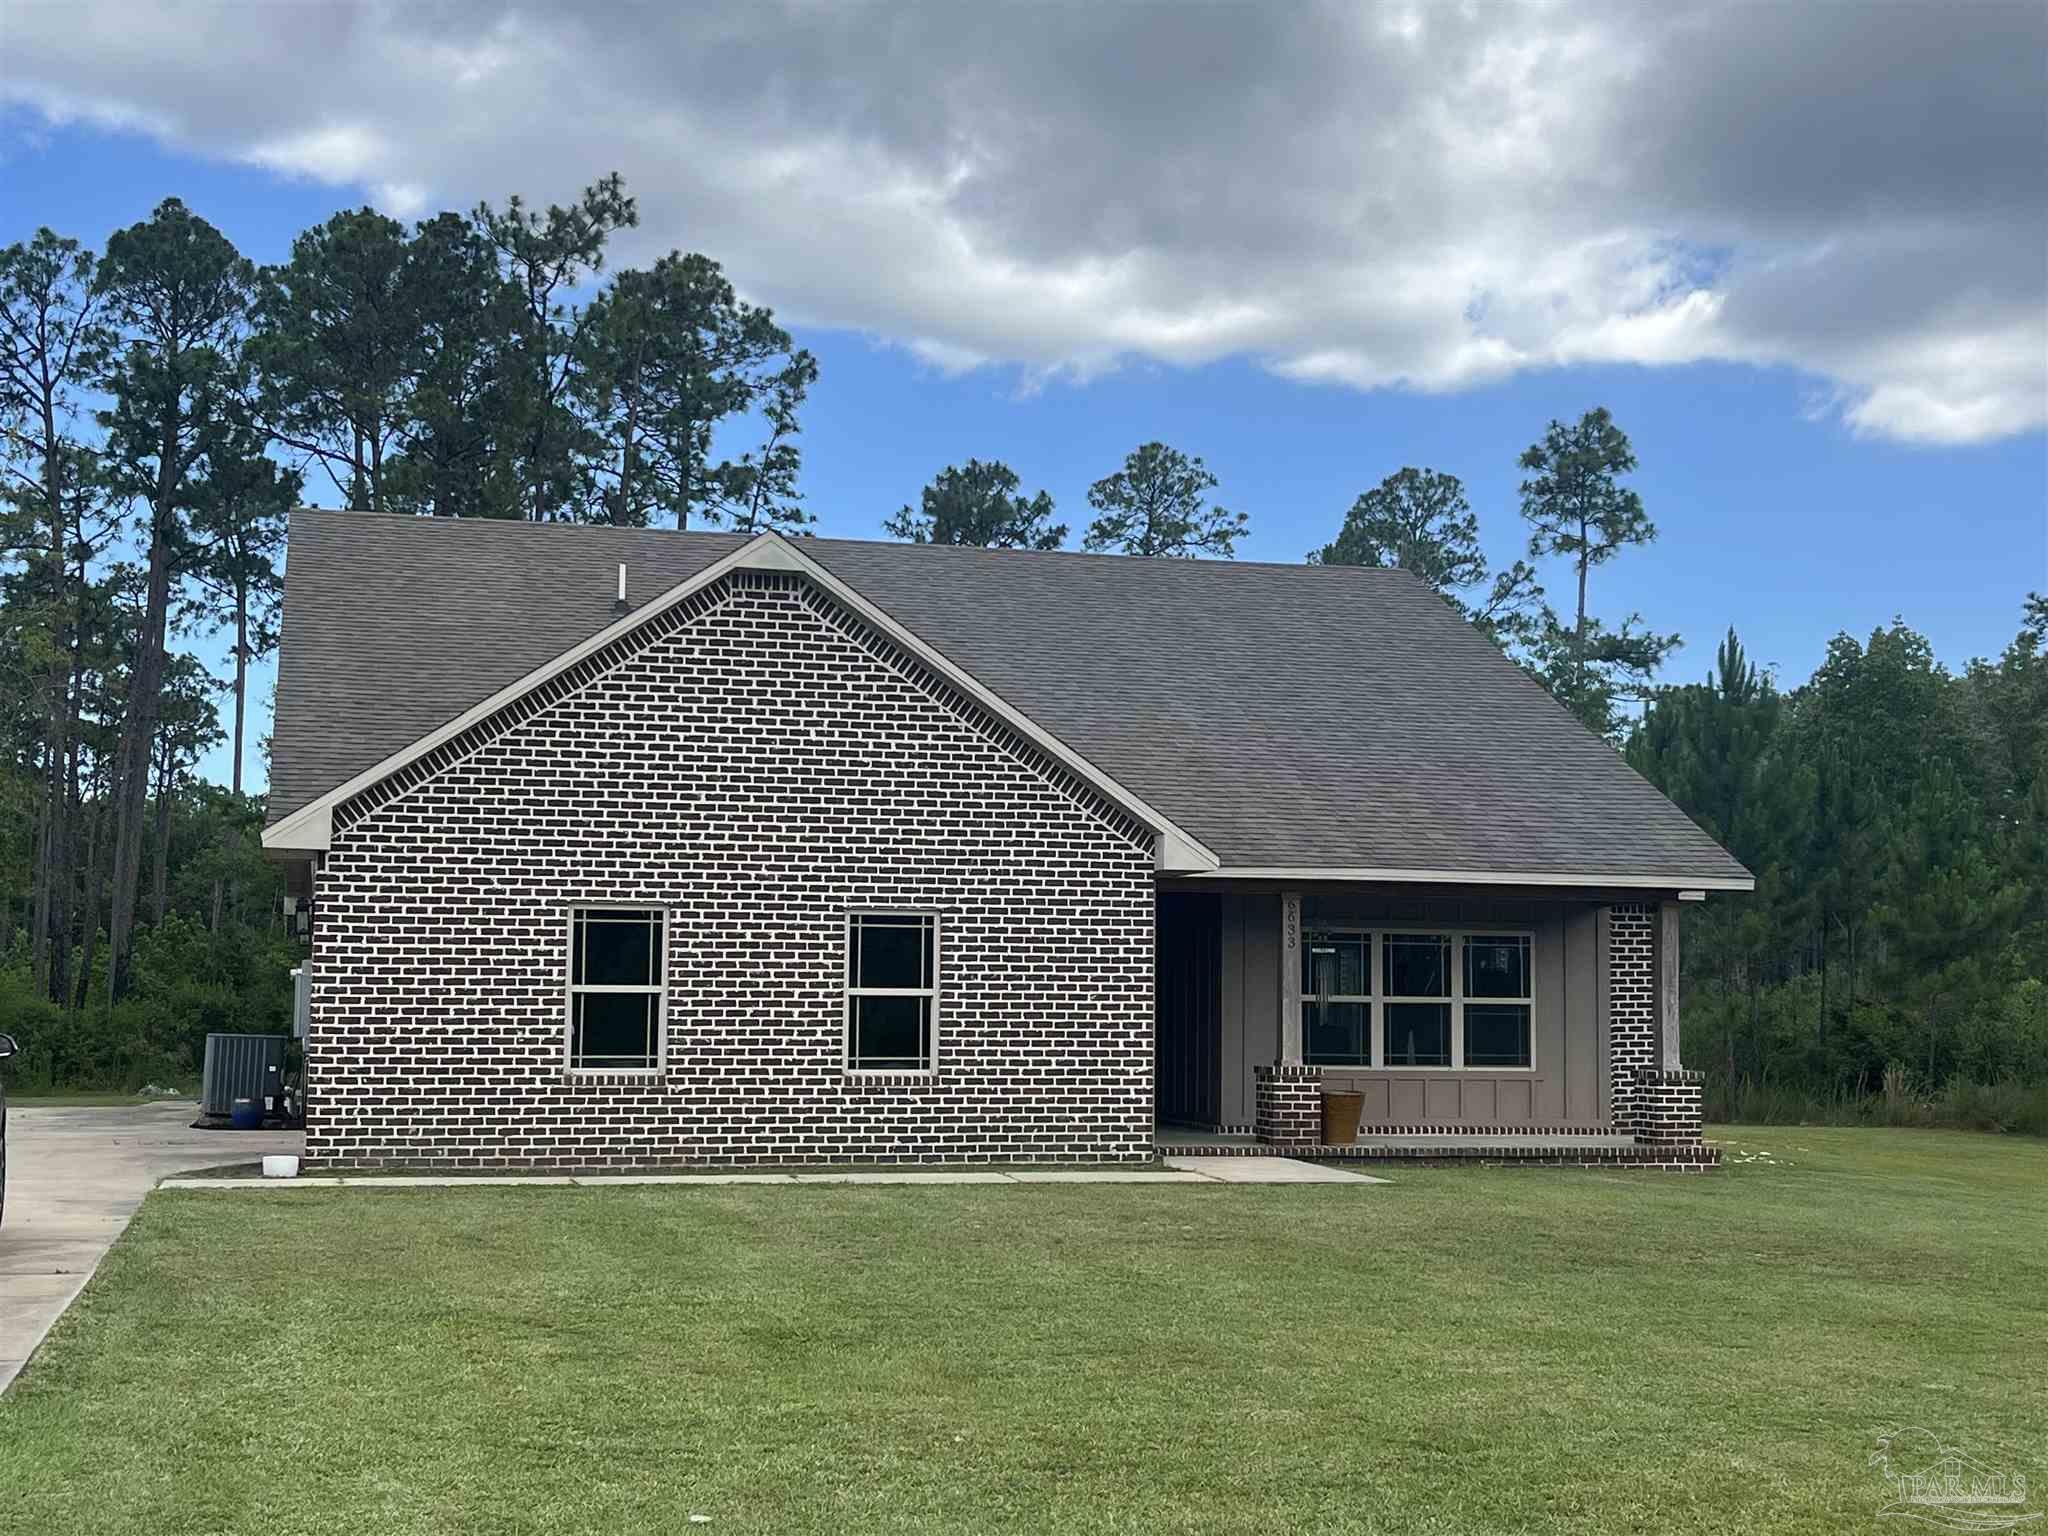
column 1370, row 195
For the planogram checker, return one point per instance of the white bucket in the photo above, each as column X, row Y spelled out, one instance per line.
column 280, row 1167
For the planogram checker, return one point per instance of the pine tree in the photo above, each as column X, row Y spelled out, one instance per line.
column 981, row 505
column 1157, row 504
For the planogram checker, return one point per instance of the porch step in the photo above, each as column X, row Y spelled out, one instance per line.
column 1436, row 1139
column 1576, row 1150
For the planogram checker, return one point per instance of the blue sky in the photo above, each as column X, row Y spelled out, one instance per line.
column 1804, row 482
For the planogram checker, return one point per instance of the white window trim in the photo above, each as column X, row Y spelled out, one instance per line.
column 1376, row 1003
column 570, row 988
column 850, row 991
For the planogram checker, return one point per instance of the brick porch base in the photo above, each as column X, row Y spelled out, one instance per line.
column 1693, row 1157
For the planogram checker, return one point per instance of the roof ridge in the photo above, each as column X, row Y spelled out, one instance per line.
column 945, row 551
column 423, row 520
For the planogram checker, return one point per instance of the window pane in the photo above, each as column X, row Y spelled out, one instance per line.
column 615, row 1029
column 1335, row 1034
column 1418, row 1034
column 891, row 1034
column 1336, row 965
column 892, row 952
column 617, row 949
column 1418, row 965
column 1496, row 967
column 1496, row 1034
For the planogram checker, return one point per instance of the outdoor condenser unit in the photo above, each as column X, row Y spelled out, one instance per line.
column 241, row 1067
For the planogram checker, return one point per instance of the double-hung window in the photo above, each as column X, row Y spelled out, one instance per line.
column 1418, row 999
column 616, row 989
column 892, row 992
column 1500, row 1000
column 1336, row 1000
column 1422, row 999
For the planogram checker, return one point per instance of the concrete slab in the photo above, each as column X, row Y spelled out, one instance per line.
column 1267, row 1170
column 74, row 1178
column 883, row 1176
column 1110, row 1176
column 441, row 1180
column 1573, row 1143
column 600, row 1179
column 225, row 1184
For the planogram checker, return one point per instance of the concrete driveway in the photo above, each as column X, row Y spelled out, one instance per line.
column 74, row 1177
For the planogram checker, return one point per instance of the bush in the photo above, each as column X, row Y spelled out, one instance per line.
column 1959, row 1104
column 189, row 983
column 2004, row 1106
column 37, row 1026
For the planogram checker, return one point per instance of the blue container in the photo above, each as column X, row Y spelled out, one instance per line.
column 247, row 1115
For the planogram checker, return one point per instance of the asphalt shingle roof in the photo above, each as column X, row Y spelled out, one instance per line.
column 1285, row 715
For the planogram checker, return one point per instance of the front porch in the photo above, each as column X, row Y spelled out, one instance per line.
column 1525, row 1027
column 1528, row 1149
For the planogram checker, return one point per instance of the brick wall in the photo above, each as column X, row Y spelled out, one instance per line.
column 1669, row 1105
column 758, row 763
column 1631, row 1005
column 1288, row 1105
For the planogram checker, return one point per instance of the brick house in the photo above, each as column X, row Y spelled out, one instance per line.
column 628, row 849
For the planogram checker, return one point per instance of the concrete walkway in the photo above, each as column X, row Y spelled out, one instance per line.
column 74, row 1177
column 1268, row 1170
column 1177, row 1170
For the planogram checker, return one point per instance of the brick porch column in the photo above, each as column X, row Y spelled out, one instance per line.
column 1631, row 1005
column 1669, row 1104
column 1289, row 1107
column 1651, row 1095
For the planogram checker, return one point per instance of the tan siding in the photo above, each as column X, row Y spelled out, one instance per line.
column 1567, row 1085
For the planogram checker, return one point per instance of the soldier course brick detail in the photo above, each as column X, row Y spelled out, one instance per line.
column 758, row 763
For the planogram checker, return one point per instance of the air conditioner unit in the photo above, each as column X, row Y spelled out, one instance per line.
column 242, row 1067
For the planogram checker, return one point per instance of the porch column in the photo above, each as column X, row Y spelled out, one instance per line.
column 1287, row 1096
column 1290, row 978
column 1667, row 986
column 1666, row 1103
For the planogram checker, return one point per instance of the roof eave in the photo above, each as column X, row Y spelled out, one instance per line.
column 309, row 829
column 1595, row 879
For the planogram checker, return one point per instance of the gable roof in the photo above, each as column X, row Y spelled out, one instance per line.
column 311, row 825
column 1292, row 719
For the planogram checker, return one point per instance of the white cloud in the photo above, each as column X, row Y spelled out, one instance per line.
column 334, row 152
column 1413, row 196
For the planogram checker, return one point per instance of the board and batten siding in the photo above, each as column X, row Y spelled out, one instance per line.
column 1251, row 998
column 1568, row 1084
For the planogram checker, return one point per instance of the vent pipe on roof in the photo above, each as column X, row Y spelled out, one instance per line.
column 619, row 602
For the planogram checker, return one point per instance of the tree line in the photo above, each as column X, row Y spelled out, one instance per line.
column 1896, row 817
column 1573, row 502
column 164, row 403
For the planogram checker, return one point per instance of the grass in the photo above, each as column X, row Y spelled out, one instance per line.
column 1464, row 1350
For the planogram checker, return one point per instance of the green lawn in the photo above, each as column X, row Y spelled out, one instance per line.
column 1463, row 1350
